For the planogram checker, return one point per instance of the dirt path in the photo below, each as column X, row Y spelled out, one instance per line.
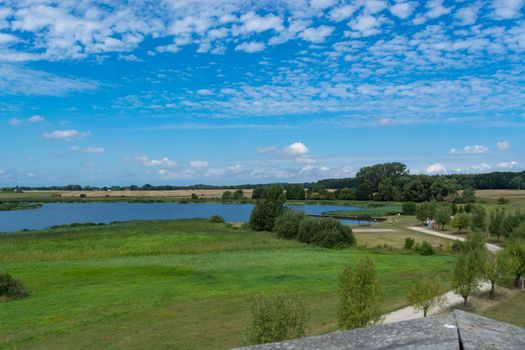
column 452, row 299
column 373, row 230
column 491, row 247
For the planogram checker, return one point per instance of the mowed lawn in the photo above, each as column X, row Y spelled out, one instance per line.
column 184, row 284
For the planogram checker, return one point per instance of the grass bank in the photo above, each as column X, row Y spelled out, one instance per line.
column 6, row 206
column 184, row 284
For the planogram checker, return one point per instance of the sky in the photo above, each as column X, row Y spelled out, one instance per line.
column 229, row 92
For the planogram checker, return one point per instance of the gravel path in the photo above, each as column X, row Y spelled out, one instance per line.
column 409, row 313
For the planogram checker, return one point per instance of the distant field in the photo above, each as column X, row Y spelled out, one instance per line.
column 495, row 194
column 184, row 284
column 118, row 195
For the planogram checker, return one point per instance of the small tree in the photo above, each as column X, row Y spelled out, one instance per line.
column 276, row 318
column 496, row 220
column 12, row 288
column 466, row 278
column 268, row 207
column 409, row 243
column 287, row 224
column 443, row 215
column 478, row 219
column 359, row 296
column 497, row 267
column 461, row 221
column 426, row 294
column 238, row 194
column 216, row 219
column 516, row 249
column 226, row 195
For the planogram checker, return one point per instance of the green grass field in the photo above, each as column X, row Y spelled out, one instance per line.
column 184, row 284
column 510, row 310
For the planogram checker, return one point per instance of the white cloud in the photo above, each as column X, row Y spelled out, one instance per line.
column 474, row 149
column 436, row 168
column 35, row 119
column 254, row 23
column 468, row 15
column 365, row 25
column 204, row 92
column 237, row 168
column 507, row 9
column 250, row 47
column 199, row 164
column 341, row 13
column 481, row 167
column 504, row 145
column 65, row 134
column 94, row 150
column 306, row 160
column 14, row 121
column 162, row 162
column 317, row 35
column 402, row 10
column 296, row 148
column 508, row 165
column 436, row 9
column 269, row 149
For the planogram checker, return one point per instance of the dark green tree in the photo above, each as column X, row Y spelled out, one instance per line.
column 268, row 207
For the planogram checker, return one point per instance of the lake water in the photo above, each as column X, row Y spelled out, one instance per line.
column 67, row 213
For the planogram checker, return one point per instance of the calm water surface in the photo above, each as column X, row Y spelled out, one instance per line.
column 67, row 213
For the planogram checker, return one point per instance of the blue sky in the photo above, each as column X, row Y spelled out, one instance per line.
column 228, row 91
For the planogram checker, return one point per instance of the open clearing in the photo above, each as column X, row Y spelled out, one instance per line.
column 184, row 284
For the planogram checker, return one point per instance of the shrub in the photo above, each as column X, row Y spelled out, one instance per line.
column 359, row 296
column 426, row 249
column 82, row 195
column 287, row 224
column 458, row 246
column 503, row 200
column 426, row 294
column 409, row 243
column 216, row 219
column 409, row 208
column 325, row 232
column 268, row 207
column 276, row 318
column 12, row 288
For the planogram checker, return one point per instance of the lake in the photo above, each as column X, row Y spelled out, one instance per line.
column 51, row 214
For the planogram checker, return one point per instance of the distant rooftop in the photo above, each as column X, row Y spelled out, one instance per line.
column 453, row 330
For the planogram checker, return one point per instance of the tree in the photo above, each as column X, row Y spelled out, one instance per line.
column 257, row 193
column 239, row 194
column 295, row 192
column 461, row 221
column 416, row 190
column 426, row 210
column 226, row 195
column 364, row 191
column 267, row 208
column 276, row 318
column 287, row 223
column 443, row 215
column 426, row 294
column 359, row 296
column 468, row 196
column 516, row 183
column 478, row 219
column 442, row 187
column 516, row 249
column 346, row 193
column 409, row 208
column 497, row 267
column 496, row 220
column 466, row 278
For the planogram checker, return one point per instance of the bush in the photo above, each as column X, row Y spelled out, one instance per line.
column 360, row 296
column 325, row 232
column 426, row 249
column 12, row 288
column 268, row 208
column 409, row 208
column 275, row 319
column 216, row 219
column 287, row 224
column 409, row 243
column 503, row 200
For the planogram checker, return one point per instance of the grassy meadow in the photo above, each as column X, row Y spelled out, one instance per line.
column 184, row 284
